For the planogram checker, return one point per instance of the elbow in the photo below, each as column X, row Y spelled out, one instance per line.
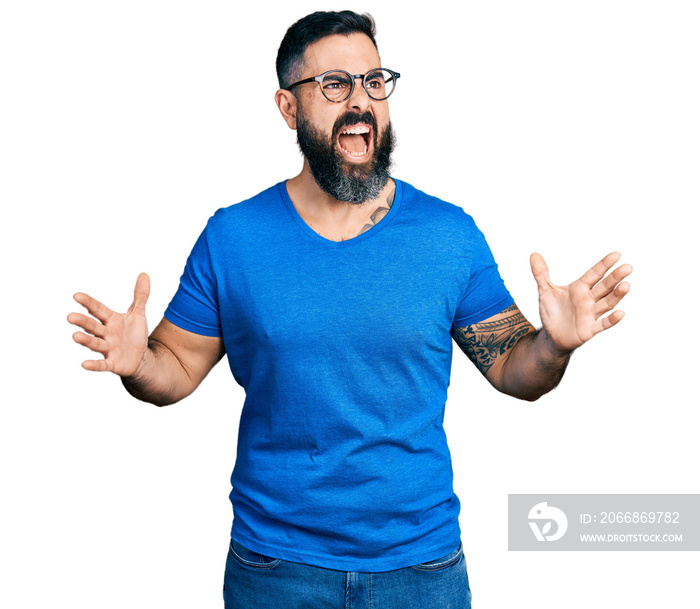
column 526, row 395
column 156, row 400
column 162, row 403
column 532, row 397
column 536, row 393
column 161, row 400
column 146, row 393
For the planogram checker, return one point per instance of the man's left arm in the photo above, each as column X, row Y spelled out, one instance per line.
column 527, row 363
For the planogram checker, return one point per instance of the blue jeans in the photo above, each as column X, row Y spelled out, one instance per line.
column 254, row 581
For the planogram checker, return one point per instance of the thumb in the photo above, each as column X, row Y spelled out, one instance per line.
column 539, row 271
column 141, row 292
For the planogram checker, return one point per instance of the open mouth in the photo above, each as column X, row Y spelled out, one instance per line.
column 355, row 140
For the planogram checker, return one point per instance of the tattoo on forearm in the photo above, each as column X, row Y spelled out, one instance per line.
column 486, row 341
column 380, row 212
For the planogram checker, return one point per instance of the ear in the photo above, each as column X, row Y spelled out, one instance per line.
column 287, row 103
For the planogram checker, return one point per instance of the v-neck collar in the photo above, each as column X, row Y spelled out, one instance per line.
column 379, row 226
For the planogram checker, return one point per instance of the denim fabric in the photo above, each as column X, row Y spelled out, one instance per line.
column 254, row 581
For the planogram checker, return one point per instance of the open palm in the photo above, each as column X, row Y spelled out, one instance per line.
column 122, row 338
column 573, row 314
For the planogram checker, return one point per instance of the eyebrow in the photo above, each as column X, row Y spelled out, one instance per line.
column 337, row 76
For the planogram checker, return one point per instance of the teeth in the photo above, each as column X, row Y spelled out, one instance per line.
column 356, row 131
column 363, row 153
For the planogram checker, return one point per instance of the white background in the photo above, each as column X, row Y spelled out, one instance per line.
column 570, row 128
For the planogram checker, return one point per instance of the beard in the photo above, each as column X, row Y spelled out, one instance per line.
column 344, row 181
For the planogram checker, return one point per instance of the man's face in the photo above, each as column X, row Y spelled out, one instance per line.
column 351, row 167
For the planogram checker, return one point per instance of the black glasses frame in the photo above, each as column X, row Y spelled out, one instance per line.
column 352, row 77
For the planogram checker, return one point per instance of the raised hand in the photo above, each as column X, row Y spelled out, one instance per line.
column 573, row 314
column 122, row 338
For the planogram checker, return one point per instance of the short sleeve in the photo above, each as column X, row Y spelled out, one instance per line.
column 485, row 294
column 195, row 306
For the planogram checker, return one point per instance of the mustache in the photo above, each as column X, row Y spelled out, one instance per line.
column 354, row 118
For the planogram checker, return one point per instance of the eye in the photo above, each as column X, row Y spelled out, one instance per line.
column 376, row 81
column 334, row 82
column 379, row 84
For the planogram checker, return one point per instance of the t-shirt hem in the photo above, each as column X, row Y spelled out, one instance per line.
column 337, row 563
column 181, row 322
column 484, row 313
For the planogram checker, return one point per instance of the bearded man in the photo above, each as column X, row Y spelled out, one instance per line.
column 336, row 296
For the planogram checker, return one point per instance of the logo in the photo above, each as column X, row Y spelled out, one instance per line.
column 543, row 515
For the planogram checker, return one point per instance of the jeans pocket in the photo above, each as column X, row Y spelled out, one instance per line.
column 441, row 563
column 252, row 559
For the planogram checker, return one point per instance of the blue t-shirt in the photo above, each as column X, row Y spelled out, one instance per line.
column 344, row 352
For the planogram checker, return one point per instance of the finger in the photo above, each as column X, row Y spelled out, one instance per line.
column 88, row 324
column 611, row 300
column 608, row 322
column 141, row 292
column 597, row 272
column 94, row 307
column 91, row 342
column 98, row 365
column 540, row 271
column 607, row 285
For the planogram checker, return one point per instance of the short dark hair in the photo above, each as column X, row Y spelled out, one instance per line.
column 313, row 28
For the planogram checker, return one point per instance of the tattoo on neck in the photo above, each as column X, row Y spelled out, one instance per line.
column 380, row 212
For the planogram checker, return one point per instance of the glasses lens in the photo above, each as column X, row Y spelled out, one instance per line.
column 336, row 86
column 380, row 84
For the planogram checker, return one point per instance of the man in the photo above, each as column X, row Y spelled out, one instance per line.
column 335, row 296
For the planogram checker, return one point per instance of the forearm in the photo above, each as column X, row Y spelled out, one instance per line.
column 534, row 366
column 161, row 378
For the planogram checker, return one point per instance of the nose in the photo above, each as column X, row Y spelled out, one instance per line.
column 359, row 100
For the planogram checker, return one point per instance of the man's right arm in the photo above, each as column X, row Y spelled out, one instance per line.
column 161, row 369
column 174, row 364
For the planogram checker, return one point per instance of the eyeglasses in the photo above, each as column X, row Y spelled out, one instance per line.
column 338, row 85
